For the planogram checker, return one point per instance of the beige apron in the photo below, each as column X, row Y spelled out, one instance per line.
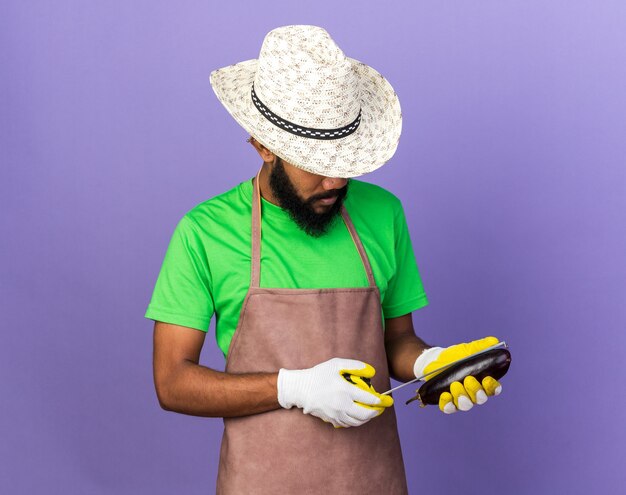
column 286, row 451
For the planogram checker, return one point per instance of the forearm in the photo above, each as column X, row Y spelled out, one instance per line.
column 402, row 351
column 200, row 391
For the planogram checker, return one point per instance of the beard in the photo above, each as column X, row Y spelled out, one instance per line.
column 302, row 212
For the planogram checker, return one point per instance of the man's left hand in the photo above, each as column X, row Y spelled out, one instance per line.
column 462, row 396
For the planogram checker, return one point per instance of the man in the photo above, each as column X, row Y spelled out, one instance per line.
column 312, row 278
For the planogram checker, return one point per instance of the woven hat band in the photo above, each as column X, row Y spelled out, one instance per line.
column 303, row 131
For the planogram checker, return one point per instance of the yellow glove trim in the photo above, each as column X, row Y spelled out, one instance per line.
column 385, row 400
column 444, row 398
column 458, row 351
column 367, row 372
column 469, row 388
column 491, row 385
column 472, row 386
column 356, row 377
column 457, row 390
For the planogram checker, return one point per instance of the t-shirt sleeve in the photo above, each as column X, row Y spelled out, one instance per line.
column 405, row 291
column 182, row 294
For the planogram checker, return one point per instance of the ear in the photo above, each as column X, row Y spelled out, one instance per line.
column 266, row 155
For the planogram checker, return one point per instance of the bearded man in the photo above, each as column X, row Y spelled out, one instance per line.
column 311, row 276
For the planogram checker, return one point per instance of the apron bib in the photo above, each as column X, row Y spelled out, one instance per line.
column 286, row 451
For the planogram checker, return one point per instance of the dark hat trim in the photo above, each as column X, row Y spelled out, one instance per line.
column 300, row 130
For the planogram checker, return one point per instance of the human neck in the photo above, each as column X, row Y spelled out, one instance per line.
column 264, row 186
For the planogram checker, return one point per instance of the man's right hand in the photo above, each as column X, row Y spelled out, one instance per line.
column 322, row 391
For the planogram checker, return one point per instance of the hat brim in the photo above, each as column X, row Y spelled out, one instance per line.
column 368, row 148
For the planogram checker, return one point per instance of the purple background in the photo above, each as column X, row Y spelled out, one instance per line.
column 511, row 170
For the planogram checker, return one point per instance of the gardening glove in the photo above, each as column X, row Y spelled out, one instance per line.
column 462, row 396
column 336, row 391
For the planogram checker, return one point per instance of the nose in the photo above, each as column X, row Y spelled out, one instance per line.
column 334, row 183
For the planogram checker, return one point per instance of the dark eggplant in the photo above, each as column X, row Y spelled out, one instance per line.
column 494, row 363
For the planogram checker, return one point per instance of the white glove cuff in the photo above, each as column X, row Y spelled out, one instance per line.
column 286, row 384
column 425, row 358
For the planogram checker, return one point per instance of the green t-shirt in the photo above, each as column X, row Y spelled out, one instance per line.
column 206, row 269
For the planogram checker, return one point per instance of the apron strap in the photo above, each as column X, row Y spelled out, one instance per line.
column 256, row 238
column 359, row 246
column 256, row 233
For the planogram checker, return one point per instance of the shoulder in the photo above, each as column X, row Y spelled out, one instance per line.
column 221, row 210
column 365, row 196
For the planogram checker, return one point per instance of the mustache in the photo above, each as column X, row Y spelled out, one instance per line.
column 330, row 194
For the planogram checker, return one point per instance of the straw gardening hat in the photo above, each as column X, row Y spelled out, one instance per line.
column 309, row 104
